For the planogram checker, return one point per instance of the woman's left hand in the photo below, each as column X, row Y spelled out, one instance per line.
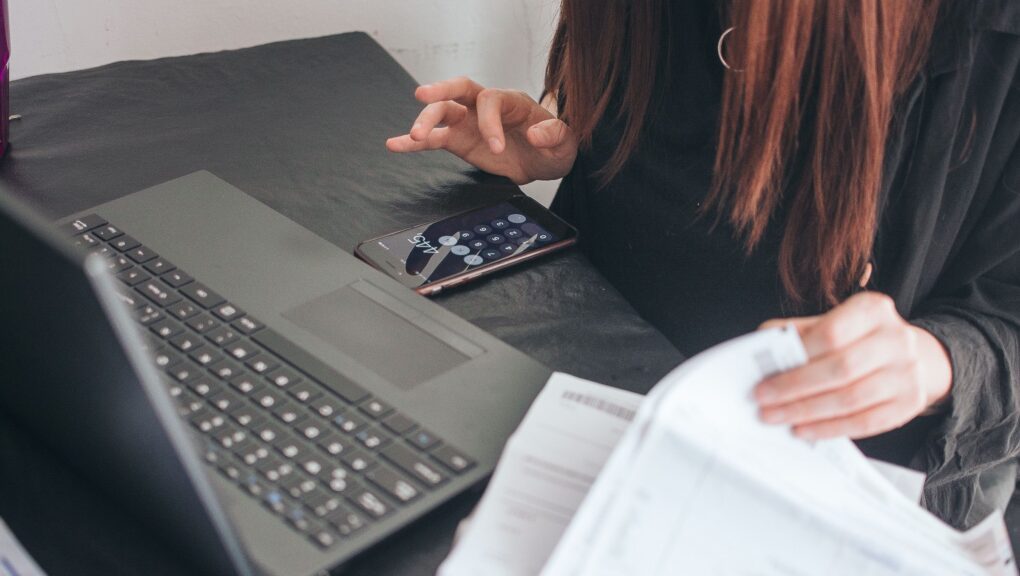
column 868, row 371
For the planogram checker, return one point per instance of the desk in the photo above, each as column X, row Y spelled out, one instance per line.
column 299, row 125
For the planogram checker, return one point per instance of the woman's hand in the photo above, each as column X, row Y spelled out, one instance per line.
column 868, row 372
column 500, row 131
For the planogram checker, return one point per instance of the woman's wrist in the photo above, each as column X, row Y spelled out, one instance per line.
column 936, row 370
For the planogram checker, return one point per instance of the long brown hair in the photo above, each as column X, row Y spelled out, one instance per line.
column 814, row 85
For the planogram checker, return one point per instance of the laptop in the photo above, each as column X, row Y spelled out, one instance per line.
column 262, row 399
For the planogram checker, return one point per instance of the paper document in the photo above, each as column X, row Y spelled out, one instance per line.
column 14, row 560
column 688, row 480
column 546, row 469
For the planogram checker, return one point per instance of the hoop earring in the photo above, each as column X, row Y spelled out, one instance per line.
column 718, row 49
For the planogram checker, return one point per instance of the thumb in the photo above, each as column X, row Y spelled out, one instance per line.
column 550, row 133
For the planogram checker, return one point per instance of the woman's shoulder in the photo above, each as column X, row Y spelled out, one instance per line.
column 998, row 16
column 966, row 23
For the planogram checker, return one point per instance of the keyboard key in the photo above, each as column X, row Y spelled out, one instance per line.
column 357, row 460
column 133, row 276
column 399, row 424
column 119, row 264
column 423, row 440
column 297, row 485
column 393, row 483
column 288, row 412
column 337, row 480
column 225, row 369
column 203, row 323
column 304, row 392
column 131, row 299
column 349, row 422
column 342, row 386
column 166, row 328
column 413, row 464
column 452, row 459
column 164, row 358
column 225, row 400
column 228, row 312
column 159, row 266
column 158, row 292
column 297, row 518
column 186, row 342
column 206, row 356
column 241, row 350
column 372, row 438
column 326, row 406
column 201, row 386
column 141, row 254
column 283, row 377
column 177, row 278
column 332, row 443
column 148, row 314
column 183, row 372
column 107, row 232
column 375, row 408
column 289, row 446
column 246, row 414
column 310, row 430
column 83, row 224
column 104, row 251
column 85, row 242
column 184, row 310
column 201, row 295
column 260, row 364
column 221, row 336
column 125, row 243
column 321, row 503
column 370, row 501
column 271, row 467
column 246, row 384
column 323, row 537
column 247, row 325
column 346, row 522
column 268, row 398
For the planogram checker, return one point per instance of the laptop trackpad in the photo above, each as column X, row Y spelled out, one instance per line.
column 379, row 339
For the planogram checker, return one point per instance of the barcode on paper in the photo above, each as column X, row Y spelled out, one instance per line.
column 600, row 404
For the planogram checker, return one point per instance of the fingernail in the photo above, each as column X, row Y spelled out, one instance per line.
column 764, row 393
column 416, row 126
column 495, row 144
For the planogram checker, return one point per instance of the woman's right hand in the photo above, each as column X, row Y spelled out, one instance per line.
column 503, row 132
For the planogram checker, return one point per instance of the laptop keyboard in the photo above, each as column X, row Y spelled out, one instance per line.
column 312, row 446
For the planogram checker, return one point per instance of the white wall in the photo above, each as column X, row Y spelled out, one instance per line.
column 497, row 42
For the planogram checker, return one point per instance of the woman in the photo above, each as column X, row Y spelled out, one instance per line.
column 852, row 163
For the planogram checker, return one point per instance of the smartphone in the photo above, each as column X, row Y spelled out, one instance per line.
column 430, row 258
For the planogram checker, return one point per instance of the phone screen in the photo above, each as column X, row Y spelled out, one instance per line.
column 433, row 252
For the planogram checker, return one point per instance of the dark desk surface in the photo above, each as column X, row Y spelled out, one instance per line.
column 300, row 126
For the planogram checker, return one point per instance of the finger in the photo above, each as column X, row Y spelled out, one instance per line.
column 848, row 322
column 864, row 424
column 438, row 112
column 461, row 90
column 835, row 369
column 550, row 134
column 800, row 324
column 490, row 105
column 870, row 391
column 435, row 140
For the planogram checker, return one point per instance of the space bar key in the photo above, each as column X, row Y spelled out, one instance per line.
column 310, row 365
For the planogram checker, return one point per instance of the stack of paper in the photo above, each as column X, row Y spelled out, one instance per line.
column 688, row 480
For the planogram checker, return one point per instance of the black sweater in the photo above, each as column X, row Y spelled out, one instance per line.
column 947, row 249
